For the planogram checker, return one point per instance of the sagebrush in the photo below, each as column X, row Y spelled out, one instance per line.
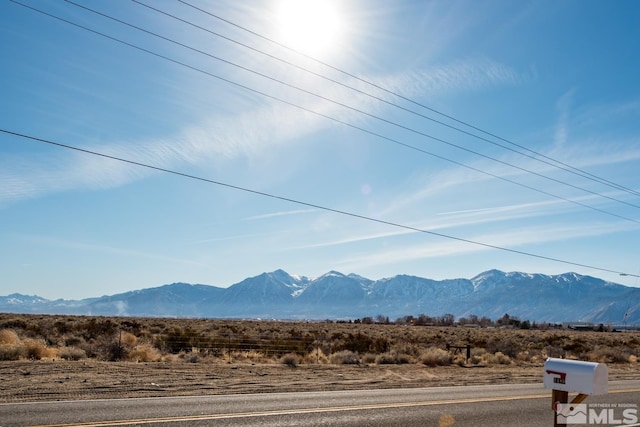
column 291, row 343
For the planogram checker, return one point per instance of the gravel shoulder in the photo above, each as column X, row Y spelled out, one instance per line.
column 22, row 381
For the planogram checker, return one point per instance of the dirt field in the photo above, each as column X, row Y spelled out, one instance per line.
column 44, row 357
column 91, row 379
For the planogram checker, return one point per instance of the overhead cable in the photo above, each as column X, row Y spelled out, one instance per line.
column 540, row 156
column 307, row 204
column 341, row 104
column 378, row 135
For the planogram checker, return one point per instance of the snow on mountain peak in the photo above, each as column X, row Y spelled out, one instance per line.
column 333, row 273
column 16, row 298
column 335, row 295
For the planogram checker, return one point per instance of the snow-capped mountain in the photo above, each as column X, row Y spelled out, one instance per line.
column 536, row 297
column 22, row 300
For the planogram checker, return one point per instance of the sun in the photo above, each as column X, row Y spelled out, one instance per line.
column 313, row 27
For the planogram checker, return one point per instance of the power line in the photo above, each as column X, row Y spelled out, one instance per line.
column 547, row 159
column 307, row 204
column 376, row 98
column 385, row 138
column 337, row 82
column 423, row 134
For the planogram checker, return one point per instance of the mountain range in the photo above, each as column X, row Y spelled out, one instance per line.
column 279, row 295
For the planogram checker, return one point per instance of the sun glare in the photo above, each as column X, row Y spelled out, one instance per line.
column 313, row 27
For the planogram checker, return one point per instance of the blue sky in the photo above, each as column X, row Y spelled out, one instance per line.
column 557, row 78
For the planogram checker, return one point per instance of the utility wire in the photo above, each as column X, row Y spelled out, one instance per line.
column 307, row 204
column 547, row 160
column 550, row 162
column 392, row 123
column 395, row 141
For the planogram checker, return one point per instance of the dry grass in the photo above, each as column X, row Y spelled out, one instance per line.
column 145, row 353
column 12, row 347
column 434, row 356
column 149, row 340
column 345, row 357
column 9, row 337
column 71, row 353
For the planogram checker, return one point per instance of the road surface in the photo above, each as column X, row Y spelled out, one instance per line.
column 494, row 405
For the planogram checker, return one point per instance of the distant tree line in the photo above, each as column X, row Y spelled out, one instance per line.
column 506, row 321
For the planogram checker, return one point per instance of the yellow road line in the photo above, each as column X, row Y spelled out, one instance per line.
column 309, row 410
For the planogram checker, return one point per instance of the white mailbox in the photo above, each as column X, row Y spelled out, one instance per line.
column 576, row 376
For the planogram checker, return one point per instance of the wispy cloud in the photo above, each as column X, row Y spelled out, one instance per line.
column 280, row 214
column 562, row 126
column 441, row 222
column 465, row 75
column 354, row 238
column 447, row 182
column 595, row 134
column 517, row 239
column 248, row 134
column 237, row 237
column 467, row 211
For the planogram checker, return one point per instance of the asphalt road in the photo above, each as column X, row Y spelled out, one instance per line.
column 495, row 405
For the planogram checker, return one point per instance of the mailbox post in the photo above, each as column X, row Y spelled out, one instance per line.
column 572, row 376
